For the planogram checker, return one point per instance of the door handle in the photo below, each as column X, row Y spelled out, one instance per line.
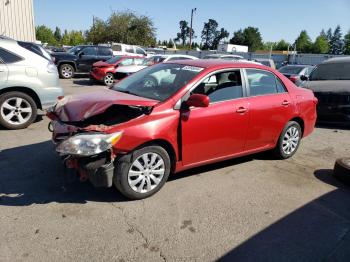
column 241, row 110
column 285, row 103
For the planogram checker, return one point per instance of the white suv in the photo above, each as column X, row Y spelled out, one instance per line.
column 28, row 81
column 123, row 49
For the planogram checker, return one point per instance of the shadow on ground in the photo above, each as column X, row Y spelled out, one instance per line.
column 318, row 231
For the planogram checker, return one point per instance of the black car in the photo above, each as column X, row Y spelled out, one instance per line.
column 79, row 59
column 330, row 82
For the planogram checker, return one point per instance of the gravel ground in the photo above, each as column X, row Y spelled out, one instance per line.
column 248, row 209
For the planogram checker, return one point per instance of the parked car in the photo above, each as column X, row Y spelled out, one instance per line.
column 36, row 48
column 330, row 82
column 266, row 62
column 201, row 111
column 79, row 59
column 225, row 57
column 104, row 71
column 294, row 72
column 131, row 50
column 124, row 71
column 28, row 82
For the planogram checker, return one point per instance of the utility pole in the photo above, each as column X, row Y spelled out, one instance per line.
column 192, row 11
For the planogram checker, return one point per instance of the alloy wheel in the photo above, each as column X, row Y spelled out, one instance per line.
column 291, row 140
column 16, row 111
column 109, row 79
column 146, row 172
column 67, row 71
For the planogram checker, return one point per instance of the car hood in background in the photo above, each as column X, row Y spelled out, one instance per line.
column 101, row 64
column 62, row 55
column 130, row 69
column 329, row 86
column 82, row 106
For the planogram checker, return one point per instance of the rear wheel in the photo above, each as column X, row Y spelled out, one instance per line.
column 289, row 140
column 342, row 170
column 66, row 71
column 143, row 172
column 108, row 79
column 17, row 110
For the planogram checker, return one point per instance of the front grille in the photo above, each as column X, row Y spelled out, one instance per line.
column 332, row 99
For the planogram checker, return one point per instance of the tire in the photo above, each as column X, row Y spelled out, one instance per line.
column 123, row 180
column 17, row 110
column 108, row 79
column 66, row 71
column 342, row 170
column 285, row 147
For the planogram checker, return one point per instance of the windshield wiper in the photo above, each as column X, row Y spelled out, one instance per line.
column 126, row 92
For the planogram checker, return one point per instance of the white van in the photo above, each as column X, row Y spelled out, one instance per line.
column 123, row 49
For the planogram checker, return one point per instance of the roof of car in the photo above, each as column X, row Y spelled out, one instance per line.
column 223, row 55
column 218, row 63
column 345, row 59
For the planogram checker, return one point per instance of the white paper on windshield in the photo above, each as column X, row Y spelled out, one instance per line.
column 192, row 68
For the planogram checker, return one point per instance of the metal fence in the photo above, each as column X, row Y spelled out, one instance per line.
column 302, row 59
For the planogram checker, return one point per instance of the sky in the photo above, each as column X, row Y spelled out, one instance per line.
column 276, row 19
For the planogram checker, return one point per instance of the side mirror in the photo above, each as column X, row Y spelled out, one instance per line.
column 81, row 54
column 198, row 100
column 304, row 78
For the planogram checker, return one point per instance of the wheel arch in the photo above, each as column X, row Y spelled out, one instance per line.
column 301, row 122
column 67, row 62
column 25, row 90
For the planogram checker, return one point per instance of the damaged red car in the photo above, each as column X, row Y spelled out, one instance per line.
column 178, row 115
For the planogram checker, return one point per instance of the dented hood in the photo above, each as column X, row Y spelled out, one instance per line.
column 101, row 64
column 82, row 106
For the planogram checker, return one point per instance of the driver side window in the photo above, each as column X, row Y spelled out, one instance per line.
column 221, row 86
column 88, row 51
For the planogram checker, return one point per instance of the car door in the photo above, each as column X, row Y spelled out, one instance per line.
column 219, row 130
column 86, row 58
column 103, row 54
column 270, row 105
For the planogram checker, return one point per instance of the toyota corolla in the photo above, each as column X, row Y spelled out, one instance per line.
column 178, row 115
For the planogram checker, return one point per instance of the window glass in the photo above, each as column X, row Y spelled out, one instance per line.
column 129, row 49
column 158, row 82
column 293, row 70
column 331, row 71
column 117, row 48
column 8, row 57
column 37, row 49
column 221, row 86
column 280, row 86
column 102, row 51
column 113, row 60
column 140, row 51
column 138, row 61
column 89, row 51
column 261, row 82
column 126, row 62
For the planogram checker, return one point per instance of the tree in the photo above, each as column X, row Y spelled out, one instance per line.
column 65, row 38
column 282, row 45
column 321, row 45
column 252, row 38
column 170, row 43
column 57, row 34
column 76, row 38
column 329, row 35
column 219, row 35
column 184, row 32
column 98, row 32
column 238, row 38
column 45, row 35
column 303, row 42
column 209, row 33
column 336, row 42
column 347, row 43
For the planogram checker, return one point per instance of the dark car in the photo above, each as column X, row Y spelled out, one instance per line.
column 294, row 72
column 199, row 112
column 79, row 59
column 330, row 82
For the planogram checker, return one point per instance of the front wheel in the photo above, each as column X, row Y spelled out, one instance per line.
column 108, row 79
column 143, row 172
column 66, row 71
column 289, row 140
column 17, row 110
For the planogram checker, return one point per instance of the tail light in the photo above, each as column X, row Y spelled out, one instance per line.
column 293, row 79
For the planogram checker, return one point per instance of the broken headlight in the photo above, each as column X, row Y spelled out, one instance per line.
column 88, row 144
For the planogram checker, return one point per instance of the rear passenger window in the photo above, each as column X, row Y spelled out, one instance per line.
column 263, row 83
column 221, row 87
column 126, row 62
column 104, row 52
column 140, row 51
column 8, row 57
column 129, row 49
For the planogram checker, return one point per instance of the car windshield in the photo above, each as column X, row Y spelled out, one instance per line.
column 113, row 60
column 74, row 50
column 211, row 57
column 158, row 82
column 293, row 70
column 331, row 71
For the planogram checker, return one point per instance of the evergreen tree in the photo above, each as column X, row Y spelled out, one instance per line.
column 303, row 42
column 57, row 34
column 336, row 43
column 347, row 43
column 321, row 45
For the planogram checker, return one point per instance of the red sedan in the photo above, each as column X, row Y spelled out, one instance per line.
column 177, row 115
column 104, row 71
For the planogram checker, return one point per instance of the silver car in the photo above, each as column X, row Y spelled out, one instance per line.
column 28, row 82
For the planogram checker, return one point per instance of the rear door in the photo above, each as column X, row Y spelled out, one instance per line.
column 103, row 53
column 86, row 58
column 219, row 130
column 271, row 107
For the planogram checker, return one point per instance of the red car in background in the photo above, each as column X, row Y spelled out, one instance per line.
column 104, row 71
column 177, row 115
